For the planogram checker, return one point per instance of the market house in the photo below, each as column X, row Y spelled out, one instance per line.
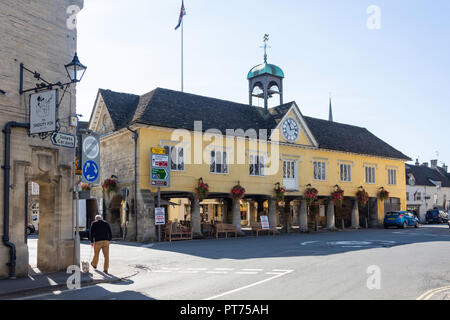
column 327, row 175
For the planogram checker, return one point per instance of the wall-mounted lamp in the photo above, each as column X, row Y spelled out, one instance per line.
column 75, row 71
column 3, row 93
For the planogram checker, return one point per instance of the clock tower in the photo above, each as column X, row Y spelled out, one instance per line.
column 265, row 80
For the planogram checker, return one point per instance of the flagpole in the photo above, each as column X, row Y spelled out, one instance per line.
column 182, row 57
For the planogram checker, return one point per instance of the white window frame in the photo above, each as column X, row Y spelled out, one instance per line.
column 257, row 165
column 289, row 171
column 320, row 170
column 370, row 174
column 177, row 158
column 221, row 162
column 345, row 170
column 392, row 176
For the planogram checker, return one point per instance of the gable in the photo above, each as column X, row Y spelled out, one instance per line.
column 101, row 120
column 305, row 137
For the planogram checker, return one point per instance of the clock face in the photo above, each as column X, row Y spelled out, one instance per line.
column 290, row 130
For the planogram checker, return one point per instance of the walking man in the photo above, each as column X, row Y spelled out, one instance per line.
column 100, row 237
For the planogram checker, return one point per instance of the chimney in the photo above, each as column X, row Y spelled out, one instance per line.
column 434, row 164
column 445, row 167
column 417, row 162
column 425, row 164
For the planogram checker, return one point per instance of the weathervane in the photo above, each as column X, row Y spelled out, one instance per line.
column 266, row 39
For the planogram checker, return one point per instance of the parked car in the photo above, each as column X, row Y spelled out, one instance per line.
column 436, row 216
column 400, row 219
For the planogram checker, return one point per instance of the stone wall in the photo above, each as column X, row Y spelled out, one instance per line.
column 35, row 33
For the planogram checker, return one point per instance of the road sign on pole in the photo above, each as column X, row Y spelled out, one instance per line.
column 90, row 155
column 160, row 168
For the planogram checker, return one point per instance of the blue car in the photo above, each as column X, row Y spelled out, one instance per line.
column 400, row 219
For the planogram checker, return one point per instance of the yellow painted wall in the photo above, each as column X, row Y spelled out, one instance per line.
column 186, row 181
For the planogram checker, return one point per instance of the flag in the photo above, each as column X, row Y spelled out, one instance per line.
column 182, row 14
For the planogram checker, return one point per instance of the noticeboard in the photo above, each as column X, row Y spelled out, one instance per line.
column 160, row 216
column 265, row 222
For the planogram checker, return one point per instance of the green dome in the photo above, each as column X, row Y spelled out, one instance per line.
column 265, row 68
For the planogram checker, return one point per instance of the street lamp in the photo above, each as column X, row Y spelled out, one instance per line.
column 75, row 69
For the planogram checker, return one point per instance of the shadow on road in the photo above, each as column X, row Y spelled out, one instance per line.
column 311, row 244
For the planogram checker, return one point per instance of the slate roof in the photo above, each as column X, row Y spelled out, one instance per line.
column 178, row 110
column 423, row 174
column 121, row 106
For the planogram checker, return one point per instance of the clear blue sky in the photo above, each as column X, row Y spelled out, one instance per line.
column 393, row 81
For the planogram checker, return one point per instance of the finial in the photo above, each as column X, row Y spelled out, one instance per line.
column 266, row 40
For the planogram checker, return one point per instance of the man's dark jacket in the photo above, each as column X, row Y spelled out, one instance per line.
column 100, row 231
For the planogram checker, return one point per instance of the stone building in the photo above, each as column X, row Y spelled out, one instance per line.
column 428, row 187
column 40, row 35
column 274, row 145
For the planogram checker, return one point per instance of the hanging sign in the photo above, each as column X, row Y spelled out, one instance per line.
column 43, row 111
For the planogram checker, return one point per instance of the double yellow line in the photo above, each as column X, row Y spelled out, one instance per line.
column 429, row 294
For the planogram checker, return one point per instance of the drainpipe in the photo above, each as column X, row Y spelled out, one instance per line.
column 6, row 186
column 135, row 138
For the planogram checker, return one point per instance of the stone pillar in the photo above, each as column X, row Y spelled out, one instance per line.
column 295, row 208
column 237, row 216
column 273, row 214
column 330, row 215
column 303, row 217
column 287, row 216
column 196, row 218
column 253, row 217
column 355, row 215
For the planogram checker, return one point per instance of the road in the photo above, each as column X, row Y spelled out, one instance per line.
column 365, row 264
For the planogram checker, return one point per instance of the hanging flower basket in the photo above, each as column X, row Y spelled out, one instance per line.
column 279, row 191
column 86, row 187
column 363, row 196
column 383, row 194
column 110, row 185
column 202, row 189
column 311, row 195
column 237, row 192
column 337, row 195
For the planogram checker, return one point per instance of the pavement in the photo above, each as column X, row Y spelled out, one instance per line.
column 40, row 283
column 365, row 264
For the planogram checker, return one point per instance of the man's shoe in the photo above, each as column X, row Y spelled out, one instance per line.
column 105, row 271
column 93, row 266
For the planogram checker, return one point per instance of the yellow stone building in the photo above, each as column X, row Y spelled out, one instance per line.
column 227, row 143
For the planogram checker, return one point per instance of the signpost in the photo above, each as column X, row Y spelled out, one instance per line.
column 60, row 139
column 160, row 177
column 90, row 156
column 160, row 216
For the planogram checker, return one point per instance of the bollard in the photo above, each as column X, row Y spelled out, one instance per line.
column 367, row 224
column 343, row 224
column 316, row 228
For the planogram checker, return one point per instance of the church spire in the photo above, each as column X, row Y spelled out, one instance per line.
column 330, row 116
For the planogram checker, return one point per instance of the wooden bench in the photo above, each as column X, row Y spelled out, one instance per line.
column 257, row 228
column 225, row 228
column 173, row 232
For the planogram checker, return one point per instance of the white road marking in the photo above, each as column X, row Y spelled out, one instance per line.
column 308, row 242
column 188, row 271
column 217, row 272
column 199, row 269
column 249, row 286
column 224, row 269
column 259, row 270
column 246, row 272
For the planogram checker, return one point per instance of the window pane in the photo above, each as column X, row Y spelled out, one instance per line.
column 218, row 162
column 212, row 165
column 252, row 171
column 180, row 159
column 262, row 165
column 225, row 163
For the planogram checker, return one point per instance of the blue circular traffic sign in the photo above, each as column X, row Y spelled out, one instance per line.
column 90, row 171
